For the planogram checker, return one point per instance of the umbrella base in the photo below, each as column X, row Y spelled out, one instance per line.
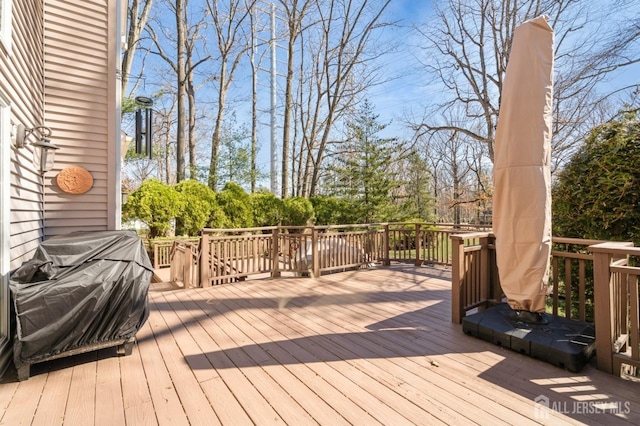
column 563, row 342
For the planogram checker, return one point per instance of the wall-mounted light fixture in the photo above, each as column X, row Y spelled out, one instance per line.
column 45, row 151
column 125, row 196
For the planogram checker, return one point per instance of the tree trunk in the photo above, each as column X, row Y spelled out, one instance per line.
column 181, row 66
column 137, row 21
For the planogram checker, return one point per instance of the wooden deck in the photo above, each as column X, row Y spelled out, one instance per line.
column 363, row 347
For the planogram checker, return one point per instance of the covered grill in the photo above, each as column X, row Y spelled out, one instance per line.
column 80, row 292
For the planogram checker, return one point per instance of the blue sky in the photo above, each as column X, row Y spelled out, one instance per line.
column 405, row 91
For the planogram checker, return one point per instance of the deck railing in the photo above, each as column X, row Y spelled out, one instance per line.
column 571, row 278
column 476, row 283
column 233, row 255
column 162, row 249
column 184, row 265
column 474, row 278
column 617, row 318
column 590, row 280
column 227, row 255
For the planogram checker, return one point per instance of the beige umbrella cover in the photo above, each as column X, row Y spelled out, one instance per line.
column 521, row 172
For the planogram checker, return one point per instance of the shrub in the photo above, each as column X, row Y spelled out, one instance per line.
column 236, row 205
column 331, row 210
column 198, row 203
column 154, row 203
column 298, row 211
column 267, row 208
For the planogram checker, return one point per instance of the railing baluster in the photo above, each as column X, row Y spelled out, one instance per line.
column 582, row 289
column 567, row 287
column 634, row 317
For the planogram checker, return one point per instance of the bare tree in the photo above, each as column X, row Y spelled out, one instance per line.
column 183, row 61
column 340, row 53
column 467, row 49
column 295, row 12
column 254, row 63
column 459, row 171
column 230, row 21
column 136, row 22
column 191, row 89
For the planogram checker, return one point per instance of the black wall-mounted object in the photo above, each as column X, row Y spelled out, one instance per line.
column 144, row 127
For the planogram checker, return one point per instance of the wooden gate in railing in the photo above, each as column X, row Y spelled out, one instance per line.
column 233, row 255
column 184, row 263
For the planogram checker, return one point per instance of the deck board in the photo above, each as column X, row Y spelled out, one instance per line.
column 359, row 347
column 54, row 397
column 109, row 400
column 168, row 408
column 377, row 359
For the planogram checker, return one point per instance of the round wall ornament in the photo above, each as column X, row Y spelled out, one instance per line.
column 74, row 180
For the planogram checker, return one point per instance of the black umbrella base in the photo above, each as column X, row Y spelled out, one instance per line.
column 566, row 343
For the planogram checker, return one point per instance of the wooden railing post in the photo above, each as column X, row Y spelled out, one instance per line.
column 457, row 278
column 275, row 253
column 385, row 242
column 188, row 265
column 603, row 309
column 418, row 245
column 494, row 284
column 173, row 266
column 156, row 264
column 204, row 261
column 484, row 268
column 315, row 256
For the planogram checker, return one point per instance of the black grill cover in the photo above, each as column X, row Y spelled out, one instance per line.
column 80, row 289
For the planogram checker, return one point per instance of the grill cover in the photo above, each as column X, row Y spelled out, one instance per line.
column 80, row 289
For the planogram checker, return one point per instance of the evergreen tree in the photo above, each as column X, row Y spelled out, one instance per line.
column 414, row 192
column 597, row 195
column 235, row 154
column 363, row 172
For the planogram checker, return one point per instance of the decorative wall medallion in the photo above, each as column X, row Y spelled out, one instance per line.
column 74, row 180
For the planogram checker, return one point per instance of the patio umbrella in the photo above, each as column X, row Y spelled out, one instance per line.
column 522, row 177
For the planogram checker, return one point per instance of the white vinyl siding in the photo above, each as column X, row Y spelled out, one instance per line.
column 5, row 237
column 5, row 24
column 22, row 72
column 79, row 67
column 21, row 190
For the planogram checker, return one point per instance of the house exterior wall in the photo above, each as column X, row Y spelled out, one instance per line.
column 22, row 100
column 22, row 83
column 81, row 105
column 58, row 69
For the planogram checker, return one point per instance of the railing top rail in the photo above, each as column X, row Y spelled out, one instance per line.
column 179, row 241
column 215, row 230
column 454, row 227
column 470, row 235
column 578, row 241
column 616, row 247
column 630, row 270
column 352, row 225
